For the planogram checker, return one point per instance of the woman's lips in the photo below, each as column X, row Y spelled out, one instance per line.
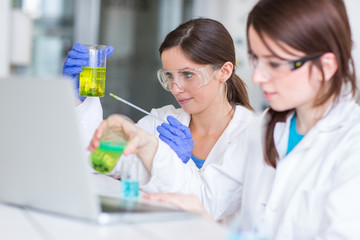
column 183, row 101
column 269, row 95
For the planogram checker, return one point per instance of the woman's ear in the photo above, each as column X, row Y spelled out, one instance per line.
column 225, row 71
column 329, row 64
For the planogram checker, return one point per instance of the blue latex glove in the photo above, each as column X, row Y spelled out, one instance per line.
column 76, row 59
column 178, row 137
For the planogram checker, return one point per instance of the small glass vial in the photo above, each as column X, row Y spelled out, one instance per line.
column 130, row 177
column 242, row 227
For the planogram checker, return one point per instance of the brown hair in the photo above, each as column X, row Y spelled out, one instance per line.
column 313, row 27
column 206, row 41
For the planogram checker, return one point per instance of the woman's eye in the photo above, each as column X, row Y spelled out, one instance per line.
column 252, row 57
column 169, row 75
column 188, row 74
column 274, row 64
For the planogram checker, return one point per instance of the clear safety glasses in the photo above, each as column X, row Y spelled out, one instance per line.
column 277, row 69
column 188, row 79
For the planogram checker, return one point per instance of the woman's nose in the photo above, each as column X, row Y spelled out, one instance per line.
column 258, row 77
column 176, row 88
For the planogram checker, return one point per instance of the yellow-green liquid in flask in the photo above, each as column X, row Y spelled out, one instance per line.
column 105, row 157
column 92, row 82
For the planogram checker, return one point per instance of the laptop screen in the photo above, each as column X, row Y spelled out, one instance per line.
column 43, row 161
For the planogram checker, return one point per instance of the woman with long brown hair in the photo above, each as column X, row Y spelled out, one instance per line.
column 198, row 59
column 301, row 54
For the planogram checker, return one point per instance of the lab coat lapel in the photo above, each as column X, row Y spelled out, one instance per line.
column 336, row 113
column 238, row 123
column 332, row 119
column 183, row 117
column 281, row 137
column 299, row 159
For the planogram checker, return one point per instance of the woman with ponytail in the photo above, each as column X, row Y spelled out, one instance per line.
column 198, row 59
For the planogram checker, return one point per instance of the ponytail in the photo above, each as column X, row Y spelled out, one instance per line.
column 236, row 92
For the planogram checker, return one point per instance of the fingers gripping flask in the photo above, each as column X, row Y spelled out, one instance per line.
column 112, row 144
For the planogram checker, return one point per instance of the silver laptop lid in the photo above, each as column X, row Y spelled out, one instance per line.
column 42, row 163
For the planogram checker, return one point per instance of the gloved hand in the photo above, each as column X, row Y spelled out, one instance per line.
column 178, row 137
column 76, row 59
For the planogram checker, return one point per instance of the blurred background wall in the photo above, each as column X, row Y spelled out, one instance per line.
column 41, row 32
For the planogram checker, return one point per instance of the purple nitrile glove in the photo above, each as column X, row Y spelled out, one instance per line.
column 77, row 58
column 178, row 137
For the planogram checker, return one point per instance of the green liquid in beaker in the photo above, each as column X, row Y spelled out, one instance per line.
column 92, row 82
column 105, row 157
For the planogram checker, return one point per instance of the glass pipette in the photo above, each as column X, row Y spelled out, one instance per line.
column 136, row 107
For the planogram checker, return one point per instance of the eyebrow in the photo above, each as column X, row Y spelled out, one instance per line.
column 270, row 55
column 181, row 69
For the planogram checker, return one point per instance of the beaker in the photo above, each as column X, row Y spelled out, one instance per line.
column 92, row 78
column 112, row 144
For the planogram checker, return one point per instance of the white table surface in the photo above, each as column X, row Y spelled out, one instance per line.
column 17, row 223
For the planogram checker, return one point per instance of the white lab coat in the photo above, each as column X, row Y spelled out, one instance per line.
column 242, row 118
column 89, row 115
column 240, row 121
column 221, row 172
column 313, row 193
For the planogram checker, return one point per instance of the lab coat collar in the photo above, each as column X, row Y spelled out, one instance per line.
column 237, row 124
column 182, row 116
column 332, row 119
column 336, row 113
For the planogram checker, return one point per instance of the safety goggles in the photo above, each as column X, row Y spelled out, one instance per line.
column 277, row 69
column 188, row 79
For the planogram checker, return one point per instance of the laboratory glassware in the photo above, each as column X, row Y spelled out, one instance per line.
column 92, row 78
column 112, row 144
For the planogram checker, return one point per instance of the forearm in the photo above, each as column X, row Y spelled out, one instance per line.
column 170, row 175
column 147, row 153
column 140, row 142
column 189, row 203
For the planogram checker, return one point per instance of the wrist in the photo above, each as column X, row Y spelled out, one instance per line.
column 148, row 151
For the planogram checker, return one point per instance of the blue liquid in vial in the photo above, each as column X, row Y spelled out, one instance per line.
column 129, row 189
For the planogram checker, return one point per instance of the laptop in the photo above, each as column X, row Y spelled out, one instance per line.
column 43, row 163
